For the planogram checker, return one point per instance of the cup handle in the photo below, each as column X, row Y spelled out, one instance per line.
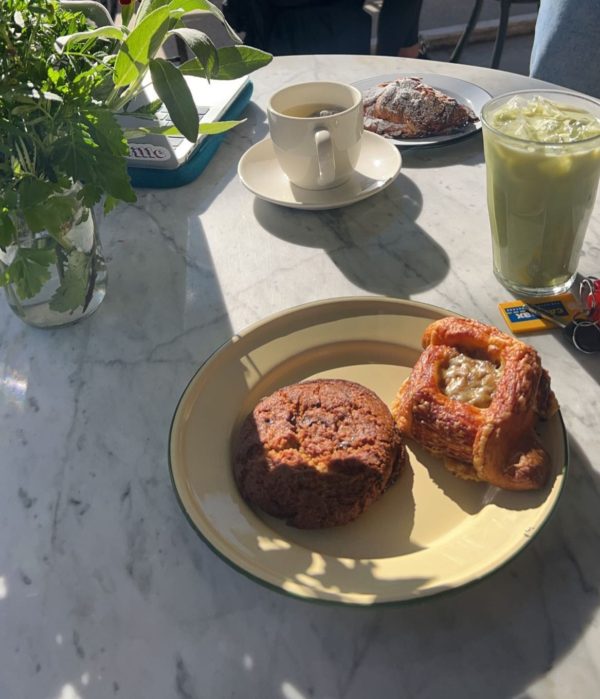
column 325, row 157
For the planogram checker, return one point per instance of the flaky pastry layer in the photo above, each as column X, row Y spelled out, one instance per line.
column 496, row 444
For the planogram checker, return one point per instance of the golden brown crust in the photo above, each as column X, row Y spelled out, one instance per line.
column 408, row 108
column 496, row 444
column 318, row 453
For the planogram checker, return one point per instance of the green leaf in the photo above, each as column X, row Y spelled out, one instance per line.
column 204, row 6
column 178, row 8
column 113, row 176
column 33, row 191
column 43, row 209
column 202, row 48
column 7, row 230
column 55, row 76
column 109, row 204
column 138, row 48
column 109, row 32
column 94, row 153
column 173, row 90
column 53, row 216
column 106, row 132
column 146, row 7
column 144, row 131
column 93, row 10
column 73, row 287
column 219, row 126
column 146, row 109
column 235, row 61
column 191, row 5
column 72, row 155
column 29, row 270
column 24, row 109
column 10, row 200
column 51, row 125
column 193, row 67
column 127, row 12
column 90, row 194
column 24, row 98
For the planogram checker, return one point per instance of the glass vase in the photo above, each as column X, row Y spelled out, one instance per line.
column 75, row 274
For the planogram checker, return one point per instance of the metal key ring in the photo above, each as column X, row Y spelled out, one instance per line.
column 583, row 325
column 586, row 291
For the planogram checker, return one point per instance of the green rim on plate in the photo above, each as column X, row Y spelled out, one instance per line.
column 431, row 533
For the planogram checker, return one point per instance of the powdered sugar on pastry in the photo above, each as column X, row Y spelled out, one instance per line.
column 408, row 108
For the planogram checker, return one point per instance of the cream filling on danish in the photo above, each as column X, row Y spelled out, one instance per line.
column 470, row 380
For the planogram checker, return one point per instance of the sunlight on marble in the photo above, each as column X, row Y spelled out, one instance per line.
column 265, row 544
column 290, row 692
column 3, row 588
column 69, row 692
column 14, row 386
column 248, row 662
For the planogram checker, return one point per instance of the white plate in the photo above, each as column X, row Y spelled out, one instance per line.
column 462, row 91
column 430, row 533
column 378, row 166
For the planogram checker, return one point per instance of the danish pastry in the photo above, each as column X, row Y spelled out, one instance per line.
column 318, row 453
column 408, row 108
column 474, row 397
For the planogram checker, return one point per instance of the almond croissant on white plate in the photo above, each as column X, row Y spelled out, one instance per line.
column 408, row 108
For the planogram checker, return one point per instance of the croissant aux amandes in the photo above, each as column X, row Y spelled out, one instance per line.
column 408, row 108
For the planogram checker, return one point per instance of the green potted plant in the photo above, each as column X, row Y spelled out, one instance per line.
column 66, row 73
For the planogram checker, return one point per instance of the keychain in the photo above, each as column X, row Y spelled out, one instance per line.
column 584, row 328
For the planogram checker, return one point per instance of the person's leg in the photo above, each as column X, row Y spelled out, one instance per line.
column 566, row 46
column 398, row 28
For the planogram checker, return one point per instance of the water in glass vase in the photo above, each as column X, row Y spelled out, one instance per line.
column 74, row 280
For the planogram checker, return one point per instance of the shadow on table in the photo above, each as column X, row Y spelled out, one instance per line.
column 589, row 362
column 468, row 151
column 377, row 243
column 494, row 639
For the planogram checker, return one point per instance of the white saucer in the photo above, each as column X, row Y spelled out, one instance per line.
column 378, row 166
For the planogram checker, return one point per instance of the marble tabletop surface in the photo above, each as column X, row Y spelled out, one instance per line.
column 105, row 589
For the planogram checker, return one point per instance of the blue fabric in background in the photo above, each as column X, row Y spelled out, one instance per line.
column 566, row 46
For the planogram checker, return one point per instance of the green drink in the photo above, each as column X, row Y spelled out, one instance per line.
column 542, row 154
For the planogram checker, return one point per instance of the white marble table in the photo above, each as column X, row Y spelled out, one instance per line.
column 105, row 590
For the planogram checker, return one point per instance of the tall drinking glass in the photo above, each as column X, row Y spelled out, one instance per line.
column 542, row 154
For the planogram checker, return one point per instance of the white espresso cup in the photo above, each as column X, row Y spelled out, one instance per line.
column 316, row 151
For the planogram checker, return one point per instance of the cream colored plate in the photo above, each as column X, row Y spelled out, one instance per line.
column 378, row 166
column 429, row 533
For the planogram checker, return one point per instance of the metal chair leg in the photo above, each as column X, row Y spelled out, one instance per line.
column 458, row 49
column 501, row 35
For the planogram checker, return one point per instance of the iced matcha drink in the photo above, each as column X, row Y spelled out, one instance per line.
column 542, row 154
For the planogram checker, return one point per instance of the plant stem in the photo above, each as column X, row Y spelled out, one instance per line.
column 60, row 262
